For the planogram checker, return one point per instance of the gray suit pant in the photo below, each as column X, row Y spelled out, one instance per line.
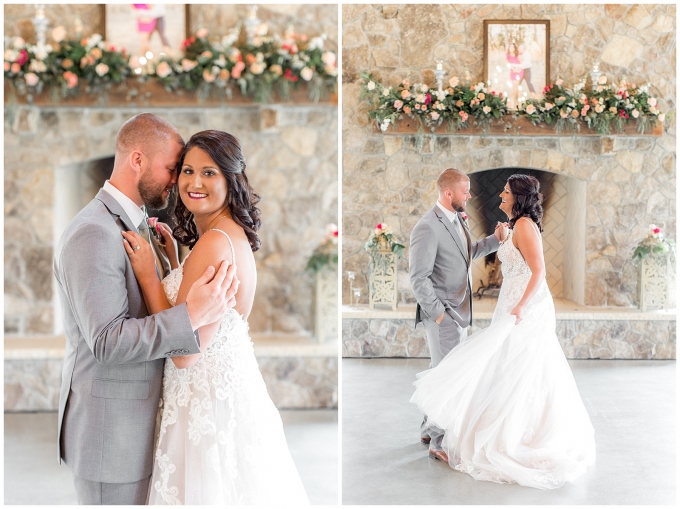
column 441, row 339
column 103, row 493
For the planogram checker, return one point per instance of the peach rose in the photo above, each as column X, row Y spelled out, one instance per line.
column 407, row 110
column 237, row 70
column 31, row 79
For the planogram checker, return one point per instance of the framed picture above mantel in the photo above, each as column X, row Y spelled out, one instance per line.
column 517, row 58
column 146, row 28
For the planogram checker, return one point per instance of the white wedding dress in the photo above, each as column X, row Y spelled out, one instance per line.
column 506, row 397
column 221, row 439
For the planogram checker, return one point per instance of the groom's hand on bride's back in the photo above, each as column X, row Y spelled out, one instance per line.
column 212, row 295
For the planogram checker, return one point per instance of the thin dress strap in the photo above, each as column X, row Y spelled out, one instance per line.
column 233, row 253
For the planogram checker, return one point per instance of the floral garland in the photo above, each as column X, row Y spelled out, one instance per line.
column 599, row 109
column 254, row 68
column 325, row 253
column 654, row 243
column 456, row 104
column 65, row 65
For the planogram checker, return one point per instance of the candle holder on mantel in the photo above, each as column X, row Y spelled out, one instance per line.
column 40, row 23
column 439, row 74
column 595, row 75
column 251, row 23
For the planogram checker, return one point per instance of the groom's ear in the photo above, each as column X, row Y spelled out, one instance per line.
column 136, row 160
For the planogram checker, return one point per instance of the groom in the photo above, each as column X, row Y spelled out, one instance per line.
column 115, row 350
column 439, row 264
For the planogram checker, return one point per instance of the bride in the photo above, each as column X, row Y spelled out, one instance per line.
column 506, row 397
column 221, row 439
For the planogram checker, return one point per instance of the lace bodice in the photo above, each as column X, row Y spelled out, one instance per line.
column 516, row 276
column 512, row 261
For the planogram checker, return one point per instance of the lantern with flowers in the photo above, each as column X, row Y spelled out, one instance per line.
column 657, row 257
column 384, row 251
column 324, row 264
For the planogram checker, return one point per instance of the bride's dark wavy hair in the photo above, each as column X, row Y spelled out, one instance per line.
column 528, row 199
column 225, row 150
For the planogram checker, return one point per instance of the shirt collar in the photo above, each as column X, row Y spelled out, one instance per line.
column 451, row 216
column 135, row 213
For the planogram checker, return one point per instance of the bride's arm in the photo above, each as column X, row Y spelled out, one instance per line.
column 211, row 249
column 529, row 244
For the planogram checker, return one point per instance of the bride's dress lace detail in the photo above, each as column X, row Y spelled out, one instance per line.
column 221, row 439
column 506, row 397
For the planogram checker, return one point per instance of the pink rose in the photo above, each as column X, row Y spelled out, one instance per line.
column 657, row 230
column 7, row 66
column 559, row 83
column 531, row 109
column 202, row 33
column 163, row 70
column 398, row 104
column 152, row 222
column 237, row 70
column 434, row 115
column 71, row 79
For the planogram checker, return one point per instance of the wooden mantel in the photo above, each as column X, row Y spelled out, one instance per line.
column 510, row 125
column 135, row 93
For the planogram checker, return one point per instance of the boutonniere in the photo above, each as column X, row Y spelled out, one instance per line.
column 464, row 216
column 152, row 223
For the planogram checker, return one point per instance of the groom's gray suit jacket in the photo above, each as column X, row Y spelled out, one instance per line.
column 439, row 266
column 115, row 351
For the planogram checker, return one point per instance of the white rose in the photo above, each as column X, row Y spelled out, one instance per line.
column 101, row 69
column 635, row 113
column 486, row 109
column 454, row 82
column 424, row 88
column 531, row 109
column 163, row 69
column 652, row 101
column 257, row 68
column 370, row 86
column 94, row 40
column 661, row 117
column 31, row 79
column 18, row 42
column 307, row 74
column 385, row 92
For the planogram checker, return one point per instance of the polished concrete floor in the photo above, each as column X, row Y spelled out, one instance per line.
column 632, row 405
column 33, row 476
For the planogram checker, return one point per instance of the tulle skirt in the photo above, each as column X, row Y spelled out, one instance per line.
column 509, row 405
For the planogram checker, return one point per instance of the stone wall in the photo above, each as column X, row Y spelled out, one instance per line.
column 309, row 19
column 291, row 152
column 579, row 339
column 630, row 181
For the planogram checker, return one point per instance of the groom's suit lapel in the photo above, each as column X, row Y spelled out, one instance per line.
column 449, row 226
column 116, row 210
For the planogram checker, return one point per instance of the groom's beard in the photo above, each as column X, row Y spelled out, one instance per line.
column 458, row 207
column 151, row 192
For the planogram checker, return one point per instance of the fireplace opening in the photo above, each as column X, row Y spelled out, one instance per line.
column 564, row 224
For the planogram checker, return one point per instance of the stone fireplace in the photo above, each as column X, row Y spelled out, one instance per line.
column 57, row 157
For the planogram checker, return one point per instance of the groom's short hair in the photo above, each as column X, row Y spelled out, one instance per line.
column 145, row 132
column 449, row 177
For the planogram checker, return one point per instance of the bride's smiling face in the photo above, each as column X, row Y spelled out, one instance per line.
column 507, row 200
column 201, row 184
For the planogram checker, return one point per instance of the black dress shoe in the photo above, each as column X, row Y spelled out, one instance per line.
column 425, row 440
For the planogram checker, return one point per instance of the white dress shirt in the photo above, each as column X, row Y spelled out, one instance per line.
column 135, row 213
column 449, row 214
